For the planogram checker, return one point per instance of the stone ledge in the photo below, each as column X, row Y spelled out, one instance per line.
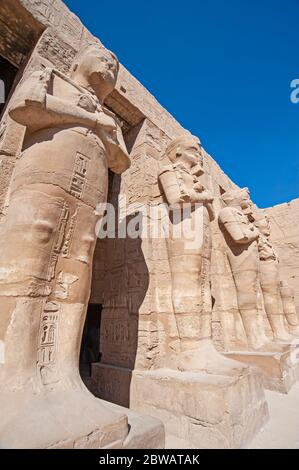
column 278, row 371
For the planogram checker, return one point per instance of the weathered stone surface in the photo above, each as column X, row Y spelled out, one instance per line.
column 46, row 265
column 208, row 411
column 161, row 317
column 167, row 312
column 279, row 369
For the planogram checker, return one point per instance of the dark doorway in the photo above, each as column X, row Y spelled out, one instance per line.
column 7, row 76
column 19, row 33
column 90, row 345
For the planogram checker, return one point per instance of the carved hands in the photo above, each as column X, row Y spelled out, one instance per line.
column 253, row 233
column 200, row 194
column 237, row 226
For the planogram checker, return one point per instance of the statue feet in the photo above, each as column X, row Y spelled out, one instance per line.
column 205, row 358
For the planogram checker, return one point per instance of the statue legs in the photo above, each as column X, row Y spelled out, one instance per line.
column 245, row 268
column 47, row 242
column 269, row 278
column 289, row 308
column 189, row 257
column 244, row 262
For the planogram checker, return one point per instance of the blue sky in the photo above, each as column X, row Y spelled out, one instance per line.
column 223, row 69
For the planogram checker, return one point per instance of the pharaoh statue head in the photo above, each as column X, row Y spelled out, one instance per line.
column 262, row 222
column 186, row 149
column 239, row 197
column 96, row 68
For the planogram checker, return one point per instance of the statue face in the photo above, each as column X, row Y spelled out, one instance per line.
column 103, row 65
column 100, row 68
column 264, row 226
column 244, row 198
column 238, row 197
column 190, row 153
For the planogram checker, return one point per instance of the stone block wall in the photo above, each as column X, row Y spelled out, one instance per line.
column 131, row 277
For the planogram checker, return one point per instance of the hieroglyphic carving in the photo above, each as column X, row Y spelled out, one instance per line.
column 69, row 235
column 115, row 291
column 54, row 50
column 117, row 333
column 79, row 175
column 58, row 243
column 47, row 347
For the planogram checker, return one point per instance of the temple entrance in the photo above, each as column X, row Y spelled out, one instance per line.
column 90, row 345
column 7, row 75
column 19, row 33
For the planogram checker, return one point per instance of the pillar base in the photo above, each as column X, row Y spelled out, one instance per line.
column 73, row 420
column 207, row 411
column 279, row 369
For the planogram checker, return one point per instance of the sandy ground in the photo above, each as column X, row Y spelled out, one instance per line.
column 281, row 431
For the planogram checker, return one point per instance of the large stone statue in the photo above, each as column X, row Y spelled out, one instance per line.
column 255, row 272
column 276, row 296
column 189, row 251
column 241, row 238
column 47, row 244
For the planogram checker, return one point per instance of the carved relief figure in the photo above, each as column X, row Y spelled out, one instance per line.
column 48, row 239
column 189, row 251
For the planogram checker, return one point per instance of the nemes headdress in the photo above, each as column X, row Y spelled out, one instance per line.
column 173, row 148
column 229, row 196
column 84, row 50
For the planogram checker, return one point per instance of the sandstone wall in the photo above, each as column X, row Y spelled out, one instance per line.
column 56, row 36
column 131, row 279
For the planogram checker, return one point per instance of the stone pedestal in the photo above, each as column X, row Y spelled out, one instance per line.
column 280, row 370
column 208, row 411
column 74, row 420
column 145, row 432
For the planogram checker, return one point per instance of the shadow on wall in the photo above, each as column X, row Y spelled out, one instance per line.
column 119, row 287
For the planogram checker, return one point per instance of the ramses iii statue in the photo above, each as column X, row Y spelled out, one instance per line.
column 189, row 252
column 48, row 239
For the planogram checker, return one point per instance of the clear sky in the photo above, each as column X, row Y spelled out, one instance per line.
column 223, row 69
